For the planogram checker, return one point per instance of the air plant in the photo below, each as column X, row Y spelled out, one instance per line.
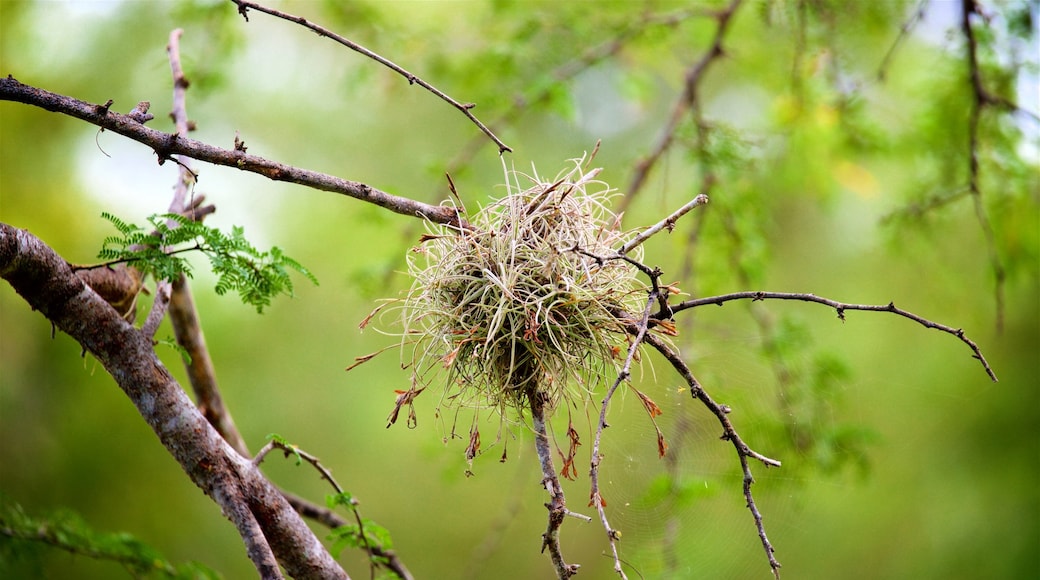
column 519, row 307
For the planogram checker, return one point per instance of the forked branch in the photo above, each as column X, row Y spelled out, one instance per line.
column 729, row 433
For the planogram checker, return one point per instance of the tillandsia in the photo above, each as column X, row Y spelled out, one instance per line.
column 523, row 302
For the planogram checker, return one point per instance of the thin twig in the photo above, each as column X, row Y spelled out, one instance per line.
column 686, row 100
column 729, row 433
column 277, row 443
column 932, row 202
column 904, row 32
column 158, row 311
column 980, row 98
column 557, row 505
column 596, row 497
column 840, row 307
column 668, row 222
column 782, row 370
column 333, row 520
column 244, row 6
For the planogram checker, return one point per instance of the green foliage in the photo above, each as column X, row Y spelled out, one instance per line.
column 23, row 536
column 368, row 535
column 284, row 444
column 676, row 492
column 793, row 103
column 811, row 385
column 172, row 343
column 256, row 276
column 350, row 536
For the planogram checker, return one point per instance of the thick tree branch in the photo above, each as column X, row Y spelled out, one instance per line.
column 274, row 533
column 166, row 145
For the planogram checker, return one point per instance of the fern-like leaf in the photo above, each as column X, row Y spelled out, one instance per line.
column 256, row 276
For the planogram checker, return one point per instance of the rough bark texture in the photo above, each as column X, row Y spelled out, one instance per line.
column 166, row 145
column 273, row 532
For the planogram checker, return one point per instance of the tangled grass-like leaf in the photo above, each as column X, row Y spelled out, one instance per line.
column 520, row 304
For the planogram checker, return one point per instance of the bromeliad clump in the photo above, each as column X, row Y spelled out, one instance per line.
column 518, row 307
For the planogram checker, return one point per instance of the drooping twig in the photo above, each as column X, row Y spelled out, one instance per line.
column 980, row 98
column 278, row 443
column 330, row 519
column 557, row 505
column 166, row 145
column 596, row 498
column 783, row 371
column 840, row 307
column 378, row 555
column 904, row 31
column 686, row 100
column 244, row 6
column 929, row 203
column 571, row 69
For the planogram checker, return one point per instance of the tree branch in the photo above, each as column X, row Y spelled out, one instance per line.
column 729, row 433
column 273, row 532
column 243, row 8
column 686, row 101
column 596, row 498
column 557, row 505
column 981, row 98
column 840, row 307
column 904, row 32
column 166, row 145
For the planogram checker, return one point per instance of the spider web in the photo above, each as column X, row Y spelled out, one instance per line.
column 684, row 515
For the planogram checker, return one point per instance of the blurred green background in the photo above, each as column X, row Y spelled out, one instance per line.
column 901, row 459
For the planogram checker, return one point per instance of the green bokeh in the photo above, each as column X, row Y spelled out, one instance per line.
column 950, row 490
